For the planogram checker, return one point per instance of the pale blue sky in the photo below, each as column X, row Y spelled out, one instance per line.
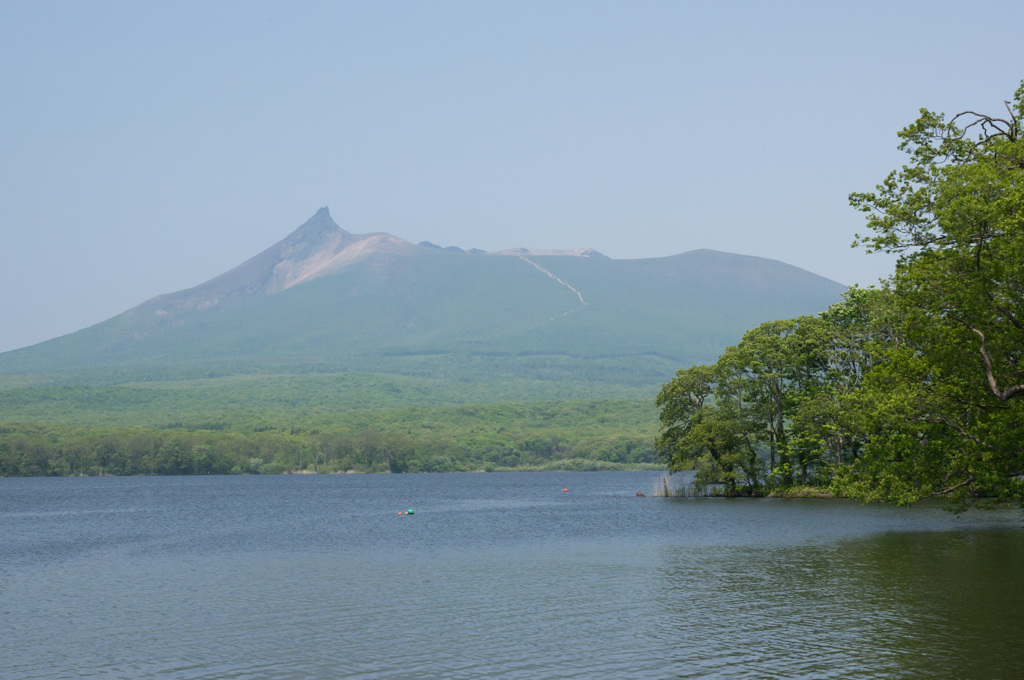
column 146, row 147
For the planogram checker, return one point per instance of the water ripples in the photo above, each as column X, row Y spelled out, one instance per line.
column 216, row 582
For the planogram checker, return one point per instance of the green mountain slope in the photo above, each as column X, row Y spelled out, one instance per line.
column 327, row 301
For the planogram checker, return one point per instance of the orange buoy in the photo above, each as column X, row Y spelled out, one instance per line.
column 564, row 490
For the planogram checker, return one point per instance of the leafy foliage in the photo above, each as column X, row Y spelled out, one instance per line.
column 915, row 389
column 732, row 420
column 602, row 434
column 948, row 401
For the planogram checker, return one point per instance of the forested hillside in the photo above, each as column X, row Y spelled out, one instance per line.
column 333, row 351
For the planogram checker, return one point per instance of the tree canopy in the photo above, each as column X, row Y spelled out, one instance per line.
column 908, row 390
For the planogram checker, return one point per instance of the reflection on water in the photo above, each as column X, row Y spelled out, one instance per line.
column 501, row 576
column 932, row 604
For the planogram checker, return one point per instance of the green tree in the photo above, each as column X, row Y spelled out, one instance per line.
column 946, row 401
column 828, row 426
column 704, row 428
column 765, row 376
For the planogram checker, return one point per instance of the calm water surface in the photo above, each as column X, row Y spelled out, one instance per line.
column 494, row 576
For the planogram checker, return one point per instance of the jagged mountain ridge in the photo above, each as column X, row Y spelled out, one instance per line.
column 315, row 249
column 327, row 300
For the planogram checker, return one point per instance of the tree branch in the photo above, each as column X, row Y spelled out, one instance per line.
column 952, row 426
column 1002, row 395
column 949, row 489
column 985, row 122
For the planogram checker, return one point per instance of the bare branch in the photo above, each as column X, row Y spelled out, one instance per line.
column 950, row 489
column 983, row 120
column 1002, row 395
column 1009, row 108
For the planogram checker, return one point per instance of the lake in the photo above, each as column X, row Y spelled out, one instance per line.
column 501, row 575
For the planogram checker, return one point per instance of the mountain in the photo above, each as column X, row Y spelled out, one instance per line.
column 327, row 301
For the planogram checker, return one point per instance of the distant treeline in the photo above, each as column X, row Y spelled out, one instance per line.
column 569, row 435
column 250, row 401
